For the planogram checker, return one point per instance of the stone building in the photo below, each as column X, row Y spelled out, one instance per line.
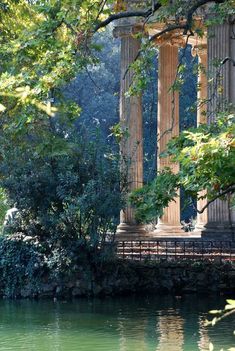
column 217, row 221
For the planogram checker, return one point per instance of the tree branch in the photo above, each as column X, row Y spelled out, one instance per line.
column 150, row 11
column 128, row 14
column 185, row 26
column 170, row 28
column 231, row 190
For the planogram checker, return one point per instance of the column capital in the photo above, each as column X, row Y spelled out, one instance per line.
column 199, row 50
column 128, row 30
column 174, row 38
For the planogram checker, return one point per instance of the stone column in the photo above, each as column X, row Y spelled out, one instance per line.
column 168, row 127
column 221, row 223
column 218, row 49
column 201, row 51
column 131, row 146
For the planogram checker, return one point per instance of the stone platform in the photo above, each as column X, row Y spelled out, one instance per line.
column 153, row 236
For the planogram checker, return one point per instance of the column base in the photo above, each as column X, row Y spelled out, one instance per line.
column 199, row 228
column 166, row 229
column 127, row 231
column 218, row 231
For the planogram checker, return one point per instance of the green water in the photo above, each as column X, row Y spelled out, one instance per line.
column 126, row 324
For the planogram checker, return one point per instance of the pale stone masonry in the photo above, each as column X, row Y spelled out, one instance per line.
column 201, row 52
column 168, row 127
column 221, row 38
column 131, row 147
column 218, row 221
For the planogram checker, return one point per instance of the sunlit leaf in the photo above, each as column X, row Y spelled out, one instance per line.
column 215, row 311
column 2, row 108
column 211, row 347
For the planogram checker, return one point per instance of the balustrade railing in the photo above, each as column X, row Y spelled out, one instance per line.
column 176, row 250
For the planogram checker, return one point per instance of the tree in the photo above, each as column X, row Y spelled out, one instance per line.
column 66, row 186
column 206, row 155
column 44, row 44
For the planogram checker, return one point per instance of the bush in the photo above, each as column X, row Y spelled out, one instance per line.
column 65, row 188
column 29, row 268
column 22, row 260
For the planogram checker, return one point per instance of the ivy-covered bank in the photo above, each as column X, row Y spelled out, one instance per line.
column 29, row 270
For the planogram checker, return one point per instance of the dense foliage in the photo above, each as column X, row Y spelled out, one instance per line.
column 20, row 260
column 32, row 268
column 45, row 43
column 206, row 155
column 64, row 185
column 63, row 178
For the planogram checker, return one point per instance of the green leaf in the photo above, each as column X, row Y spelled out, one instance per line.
column 2, row 108
column 164, row 2
column 215, row 311
column 211, row 347
column 229, row 307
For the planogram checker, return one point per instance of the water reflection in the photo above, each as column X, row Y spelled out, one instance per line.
column 129, row 341
column 204, row 339
column 130, row 324
column 171, row 329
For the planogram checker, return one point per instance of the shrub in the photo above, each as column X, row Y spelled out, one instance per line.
column 65, row 186
column 22, row 260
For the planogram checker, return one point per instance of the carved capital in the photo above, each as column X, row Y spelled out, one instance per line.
column 200, row 50
column 128, row 30
column 173, row 39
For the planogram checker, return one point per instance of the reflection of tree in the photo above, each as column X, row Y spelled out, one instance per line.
column 171, row 328
column 204, row 337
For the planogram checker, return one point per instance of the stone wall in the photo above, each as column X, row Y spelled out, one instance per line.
column 123, row 278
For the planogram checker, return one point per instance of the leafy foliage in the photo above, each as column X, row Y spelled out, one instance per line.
column 229, row 307
column 141, row 68
column 205, row 154
column 21, row 261
column 29, row 267
column 101, row 81
column 65, row 184
column 66, row 187
column 228, row 310
column 3, row 205
column 150, row 200
column 43, row 46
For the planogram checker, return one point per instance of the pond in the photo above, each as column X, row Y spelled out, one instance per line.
column 114, row 324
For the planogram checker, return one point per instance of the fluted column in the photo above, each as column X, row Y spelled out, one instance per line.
column 201, row 51
column 220, row 45
column 168, row 127
column 131, row 146
column 218, row 49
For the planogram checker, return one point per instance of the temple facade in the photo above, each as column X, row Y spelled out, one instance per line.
column 218, row 220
